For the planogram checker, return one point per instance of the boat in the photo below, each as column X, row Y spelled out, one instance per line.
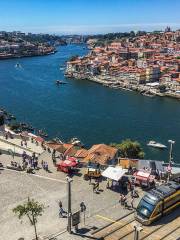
column 58, row 82
column 17, row 65
column 76, row 142
column 61, row 68
column 156, row 145
column 148, row 94
column 42, row 133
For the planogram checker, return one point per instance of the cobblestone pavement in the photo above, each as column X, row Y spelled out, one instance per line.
column 49, row 188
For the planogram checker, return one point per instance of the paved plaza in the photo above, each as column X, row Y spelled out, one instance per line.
column 49, row 188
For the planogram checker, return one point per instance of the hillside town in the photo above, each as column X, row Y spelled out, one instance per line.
column 148, row 63
column 18, row 44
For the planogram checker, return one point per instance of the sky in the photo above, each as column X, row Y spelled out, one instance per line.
column 88, row 16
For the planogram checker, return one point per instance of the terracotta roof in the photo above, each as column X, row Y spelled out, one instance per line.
column 56, row 146
column 101, row 153
column 81, row 153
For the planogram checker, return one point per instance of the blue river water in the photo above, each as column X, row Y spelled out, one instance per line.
column 84, row 109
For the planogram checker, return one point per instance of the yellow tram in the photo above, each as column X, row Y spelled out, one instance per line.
column 158, row 202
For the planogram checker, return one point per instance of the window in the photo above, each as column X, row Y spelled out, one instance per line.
column 171, row 201
column 145, row 208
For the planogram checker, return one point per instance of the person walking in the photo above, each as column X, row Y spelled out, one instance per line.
column 25, row 143
column 90, row 180
column 121, row 199
column 46, row 166
column 42, row 164
column 94, row 187
column 125, row 202
column 97, row 186
column 61, row 210
column 60, row 204
column 132, row 202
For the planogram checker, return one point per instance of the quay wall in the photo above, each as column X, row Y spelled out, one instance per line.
column 117, row 84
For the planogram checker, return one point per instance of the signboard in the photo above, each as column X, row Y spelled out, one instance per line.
column 76, row 218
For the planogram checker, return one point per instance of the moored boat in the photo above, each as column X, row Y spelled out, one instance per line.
column 156, row 145
column 58, row 82
column 17, row 65
column 75, row 141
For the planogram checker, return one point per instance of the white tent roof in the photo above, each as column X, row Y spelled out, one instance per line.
column 114, row 173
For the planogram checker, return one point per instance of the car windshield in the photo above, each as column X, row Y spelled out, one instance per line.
column 145, row 208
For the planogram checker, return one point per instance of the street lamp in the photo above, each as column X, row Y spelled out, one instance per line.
column 137, row 230
column 170, row 151
column 170, row 156
column 69, row 181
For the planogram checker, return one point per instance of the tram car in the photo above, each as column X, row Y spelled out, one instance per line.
column 158, row 202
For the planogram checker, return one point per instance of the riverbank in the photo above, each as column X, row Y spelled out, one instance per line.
column 12, row 56
column 115, row 83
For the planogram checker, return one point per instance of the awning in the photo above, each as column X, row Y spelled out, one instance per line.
column 143, row 176
column 67, row 163
column 114, row 173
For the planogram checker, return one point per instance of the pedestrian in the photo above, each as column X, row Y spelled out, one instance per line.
column 42, row 164
column 107, row 184
column 121, row 199
column 90, row 180
column 94, row 187
column 33, row 155
column 132, row 202
column 33, row 164
column 97, row 186
column 124, row 201
column 25, row 143
column 21, row 143
column 46, row 166
column 60, row 204
column 61, row 211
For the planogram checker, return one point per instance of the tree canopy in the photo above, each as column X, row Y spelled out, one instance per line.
column 129, row 149
column 32, row 209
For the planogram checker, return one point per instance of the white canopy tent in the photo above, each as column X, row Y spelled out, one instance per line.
column 114, row 173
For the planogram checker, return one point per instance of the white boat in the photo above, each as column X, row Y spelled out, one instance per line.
column 156, row 145
column 17, row 65
column 75, row 141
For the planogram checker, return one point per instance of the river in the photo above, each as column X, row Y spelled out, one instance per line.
column 84, row 109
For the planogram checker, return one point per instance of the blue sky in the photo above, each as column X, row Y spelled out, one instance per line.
column 88, row 16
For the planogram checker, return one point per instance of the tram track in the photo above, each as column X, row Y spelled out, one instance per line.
column 113, row 227
column 124, row 229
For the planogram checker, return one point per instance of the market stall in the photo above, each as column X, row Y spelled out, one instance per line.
column 144, row 178
column 115, row 177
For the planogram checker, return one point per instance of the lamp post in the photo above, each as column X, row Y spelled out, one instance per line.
column 170, row 156
column 137, row 230
column 69, row 181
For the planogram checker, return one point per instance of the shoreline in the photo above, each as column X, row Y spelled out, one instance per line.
column 25, row 56
column 115, row 84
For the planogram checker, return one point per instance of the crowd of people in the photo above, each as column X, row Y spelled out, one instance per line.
column 32, row 162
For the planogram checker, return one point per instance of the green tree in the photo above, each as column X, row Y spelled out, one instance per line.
column 32, row 210
column 129, row 149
